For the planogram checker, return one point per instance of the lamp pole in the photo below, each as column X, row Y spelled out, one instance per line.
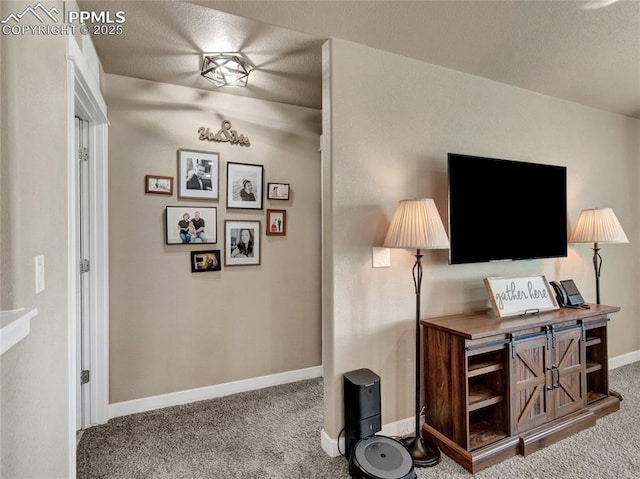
column 597, row 265
column 417, row 281
column 424, row 454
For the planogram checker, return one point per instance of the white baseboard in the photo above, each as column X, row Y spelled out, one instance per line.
column 401, row 428
column 624, row 359
column 200, row 394
column 331, row 445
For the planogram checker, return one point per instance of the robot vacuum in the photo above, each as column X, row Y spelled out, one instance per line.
column 380, row 457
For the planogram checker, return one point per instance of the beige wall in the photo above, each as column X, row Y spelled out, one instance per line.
column 386, row 138
column 171, row 330
column 34, row 373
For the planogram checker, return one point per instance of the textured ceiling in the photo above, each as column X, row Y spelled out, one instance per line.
column 558, row 48
column 164, row 42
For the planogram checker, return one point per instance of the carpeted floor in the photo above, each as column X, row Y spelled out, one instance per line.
column 275, row 433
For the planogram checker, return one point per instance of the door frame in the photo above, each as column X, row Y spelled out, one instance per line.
column 83, row 294
column 85, row 100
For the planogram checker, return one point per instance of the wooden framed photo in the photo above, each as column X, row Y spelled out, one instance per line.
column 276, row 222
column 158, row 185
column 242, row 243
column 244, row 186
column 512, row 296
column 203, row 261
column 278, row 191
column 198, row 174
column 191, row 225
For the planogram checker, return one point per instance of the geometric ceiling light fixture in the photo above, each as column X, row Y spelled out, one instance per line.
column 226, row 69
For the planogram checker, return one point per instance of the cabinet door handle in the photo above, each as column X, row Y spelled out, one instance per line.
column 550, row 388
column 556, row 384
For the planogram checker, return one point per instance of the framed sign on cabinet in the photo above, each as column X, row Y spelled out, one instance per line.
column 511, row 296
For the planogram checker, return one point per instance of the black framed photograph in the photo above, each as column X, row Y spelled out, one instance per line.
column 191, row 224
column 242, row 243
column 276, row 222
column 158, row 185
column 198, row 174
column 203, row 261
column 278, row 191
column 244, row 186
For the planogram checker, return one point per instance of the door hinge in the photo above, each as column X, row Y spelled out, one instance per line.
column 84, row 376
column 84, row 265
column 83, row 154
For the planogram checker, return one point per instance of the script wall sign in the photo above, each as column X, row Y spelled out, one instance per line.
column 224, row 135
column 512, row 296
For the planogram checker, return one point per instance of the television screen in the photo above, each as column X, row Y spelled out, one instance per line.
column 503, row 210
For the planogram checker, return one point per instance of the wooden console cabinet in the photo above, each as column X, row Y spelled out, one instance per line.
column 498, row 387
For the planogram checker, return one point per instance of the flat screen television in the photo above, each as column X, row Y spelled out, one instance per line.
column 504, row 210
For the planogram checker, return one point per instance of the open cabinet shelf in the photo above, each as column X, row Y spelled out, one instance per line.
column 482, row 433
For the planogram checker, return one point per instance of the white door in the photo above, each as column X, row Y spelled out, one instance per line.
column 83, row 297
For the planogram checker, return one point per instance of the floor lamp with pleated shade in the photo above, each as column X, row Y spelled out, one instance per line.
column 597, row 226
column 416, row 225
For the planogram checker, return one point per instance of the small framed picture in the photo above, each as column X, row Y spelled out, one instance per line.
column 276, row 222
column 191, row 225
column 198, row 174
column 203, row 261
column 242, row 243
column 278, row 191
column 244, row 186
column 158, row 185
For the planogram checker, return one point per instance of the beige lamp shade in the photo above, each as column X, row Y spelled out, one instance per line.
column 416, row 224
column 598, row 225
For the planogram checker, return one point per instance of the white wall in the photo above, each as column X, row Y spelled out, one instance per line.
column 172, row 330
column 387, row 136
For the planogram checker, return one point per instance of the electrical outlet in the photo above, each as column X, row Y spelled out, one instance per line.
column 39, row 273
column 381, row 257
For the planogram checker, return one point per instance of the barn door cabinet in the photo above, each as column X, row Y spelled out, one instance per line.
column 498, row 387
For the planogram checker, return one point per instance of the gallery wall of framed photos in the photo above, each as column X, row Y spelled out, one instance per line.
column 198, row 178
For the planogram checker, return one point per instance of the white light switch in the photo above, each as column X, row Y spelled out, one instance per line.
column 39, row 273
column 381, row 257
